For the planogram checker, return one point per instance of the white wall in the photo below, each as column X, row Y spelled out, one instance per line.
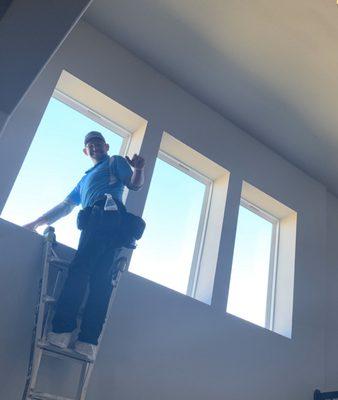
column 160, row 344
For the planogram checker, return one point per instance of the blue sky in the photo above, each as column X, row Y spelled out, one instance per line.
column 55, row 163
column 172, row 214
column 250, row 269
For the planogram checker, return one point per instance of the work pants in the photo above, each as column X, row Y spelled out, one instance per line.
column 93, row 267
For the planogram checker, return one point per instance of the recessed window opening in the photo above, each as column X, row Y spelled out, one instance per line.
column 252, row 285
column 55, row 162
column 176, row 213
column 262, row 274
column 184, row 214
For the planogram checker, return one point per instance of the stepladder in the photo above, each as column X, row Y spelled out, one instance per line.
column 54, row 273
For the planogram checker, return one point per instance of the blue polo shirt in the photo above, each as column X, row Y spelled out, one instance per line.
column 97, row 181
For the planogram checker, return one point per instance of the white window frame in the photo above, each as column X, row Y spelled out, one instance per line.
column 204, row 216
column 97, row 117
column 271, row 293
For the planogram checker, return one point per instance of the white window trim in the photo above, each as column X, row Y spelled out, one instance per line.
column 271, row 292
column 200, row 240
column 95, row 116
column 173, row 161
column 203, row 221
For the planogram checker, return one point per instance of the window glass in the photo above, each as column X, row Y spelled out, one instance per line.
column 53, row 166
column 250, row 273
column 172, row 214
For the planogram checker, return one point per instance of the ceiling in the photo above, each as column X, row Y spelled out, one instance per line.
column 269, row 66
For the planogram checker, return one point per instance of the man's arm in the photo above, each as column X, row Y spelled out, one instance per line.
column 52, row 215
column 137, row 179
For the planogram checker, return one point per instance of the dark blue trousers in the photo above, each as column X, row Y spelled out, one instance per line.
column 93, row 268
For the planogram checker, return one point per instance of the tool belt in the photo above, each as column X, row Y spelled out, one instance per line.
column 122, row 227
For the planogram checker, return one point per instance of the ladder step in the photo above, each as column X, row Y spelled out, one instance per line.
column 55, row 351
column 46, row 396
column 59, row 262
column 49, row 299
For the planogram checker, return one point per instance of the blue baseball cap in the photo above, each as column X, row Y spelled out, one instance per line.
column 93, row 135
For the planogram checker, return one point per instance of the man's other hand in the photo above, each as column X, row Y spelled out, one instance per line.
column 32, row 226
column 136, row 162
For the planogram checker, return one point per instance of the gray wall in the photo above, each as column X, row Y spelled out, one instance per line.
column 21, row 254
column 331, row 292
column 158, row 343
column 30, row 32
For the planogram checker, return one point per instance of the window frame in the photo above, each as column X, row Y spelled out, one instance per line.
column 96, row 117
column 273, row 263
column 203, row 220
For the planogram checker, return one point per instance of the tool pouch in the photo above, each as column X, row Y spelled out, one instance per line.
column 122, row 227
column 83, row 218
column 134, row 225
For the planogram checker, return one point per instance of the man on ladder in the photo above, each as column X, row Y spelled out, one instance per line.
column 106, row 227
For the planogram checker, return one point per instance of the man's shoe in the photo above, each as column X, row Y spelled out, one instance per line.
column 61, row 340
column 86, row 349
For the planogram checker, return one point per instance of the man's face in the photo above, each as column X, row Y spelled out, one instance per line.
column 96, row 149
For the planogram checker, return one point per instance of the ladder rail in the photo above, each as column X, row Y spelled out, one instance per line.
column 50, row 238
column 84, row 381
column 36, row 354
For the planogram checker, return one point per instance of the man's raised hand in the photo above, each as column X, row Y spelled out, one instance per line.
column 136, row 162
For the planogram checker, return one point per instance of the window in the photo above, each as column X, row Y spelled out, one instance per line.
column 175, row 213
column 53, row 166
column 253, row 271
column 262, row 274
column 55, row 162
column 184, row 215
